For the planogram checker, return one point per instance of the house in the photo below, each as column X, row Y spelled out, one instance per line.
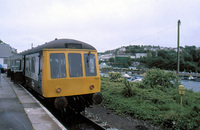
column 104, row 65
column 121, row 51
column 5, row 52
column 105, row 57
column 138, row 55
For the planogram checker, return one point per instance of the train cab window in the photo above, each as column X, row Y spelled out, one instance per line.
column 58, row 66
column 90, row 66
column 75, row 65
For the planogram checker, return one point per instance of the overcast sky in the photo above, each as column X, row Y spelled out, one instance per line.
column 106, row 24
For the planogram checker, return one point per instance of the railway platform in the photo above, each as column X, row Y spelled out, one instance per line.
column 21, row 111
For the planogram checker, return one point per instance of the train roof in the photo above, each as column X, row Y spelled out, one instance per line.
column 59, row 43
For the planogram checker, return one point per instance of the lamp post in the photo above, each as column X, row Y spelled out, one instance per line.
column 178, row 53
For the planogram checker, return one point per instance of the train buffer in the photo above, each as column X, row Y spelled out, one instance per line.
column 19, row 110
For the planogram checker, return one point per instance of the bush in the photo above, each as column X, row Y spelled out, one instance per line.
column 159, row 78
column 116, row 77
column 127, row 91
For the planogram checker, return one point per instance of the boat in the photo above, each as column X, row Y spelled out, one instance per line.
column 192, row 78
column 137, row 80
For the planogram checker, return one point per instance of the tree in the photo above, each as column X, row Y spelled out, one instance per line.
column 1, row 41
column 190, row 66
column 111, row 59
column 162, row 53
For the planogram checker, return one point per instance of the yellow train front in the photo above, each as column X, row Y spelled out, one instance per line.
column 64, row 71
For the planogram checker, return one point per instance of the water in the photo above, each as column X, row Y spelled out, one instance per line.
column 188, row 84
column 195, row 86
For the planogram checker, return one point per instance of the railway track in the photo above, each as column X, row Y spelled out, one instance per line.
column 74, row 121
column 81, row 122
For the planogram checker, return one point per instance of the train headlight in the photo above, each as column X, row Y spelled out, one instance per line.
column 58, row 90
column 91, row 87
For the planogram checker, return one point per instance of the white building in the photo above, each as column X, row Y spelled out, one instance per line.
column 105, row 57
column 5, row 52
column 104, row 65
column 138, row 55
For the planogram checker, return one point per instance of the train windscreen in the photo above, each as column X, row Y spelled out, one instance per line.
column 90, row 66
column 75, row 65
column 58, row 66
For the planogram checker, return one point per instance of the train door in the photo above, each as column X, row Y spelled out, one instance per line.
column 32, row 66
column 40, row 75
column 27, row 67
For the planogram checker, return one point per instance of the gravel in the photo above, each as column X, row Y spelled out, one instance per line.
column 111, row 121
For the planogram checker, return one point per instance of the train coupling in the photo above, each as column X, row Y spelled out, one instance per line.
column 60, row 103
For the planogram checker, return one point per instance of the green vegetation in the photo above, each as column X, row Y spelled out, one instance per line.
column 155, row 98
column 115, row 77
column 121, row 62
column 189, row 59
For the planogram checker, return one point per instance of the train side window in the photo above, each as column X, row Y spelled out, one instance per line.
column 90, row 65
column 58, row 66
column 75, row 65
column 33, row 64
column 27, row 64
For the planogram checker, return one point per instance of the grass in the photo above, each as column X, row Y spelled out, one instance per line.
column 161, row 106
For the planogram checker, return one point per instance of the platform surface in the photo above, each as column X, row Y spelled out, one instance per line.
column 20, row 111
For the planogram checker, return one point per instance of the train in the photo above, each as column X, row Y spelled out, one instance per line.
column 63, row 71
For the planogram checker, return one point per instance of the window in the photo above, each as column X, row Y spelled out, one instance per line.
column 90, row 66
column 5, row 61
column 58, row 66
column 27, row 64
column 33, row 64
column 75, row 65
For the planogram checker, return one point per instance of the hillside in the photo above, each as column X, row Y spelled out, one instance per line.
column 154, row 57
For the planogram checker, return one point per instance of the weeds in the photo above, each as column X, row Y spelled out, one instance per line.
column 127, row 91
column 160, row 105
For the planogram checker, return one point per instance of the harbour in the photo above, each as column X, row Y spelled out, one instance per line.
column 193, row 85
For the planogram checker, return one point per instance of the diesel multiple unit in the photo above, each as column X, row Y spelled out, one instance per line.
column 63, row 71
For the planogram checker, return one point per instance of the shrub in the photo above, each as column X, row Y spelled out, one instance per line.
column 115, row 77
column 159, row 78
column 127, row 91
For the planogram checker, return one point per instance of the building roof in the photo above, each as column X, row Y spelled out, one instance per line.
column 5, row 50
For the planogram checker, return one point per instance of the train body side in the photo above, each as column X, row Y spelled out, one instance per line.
column 32, row 71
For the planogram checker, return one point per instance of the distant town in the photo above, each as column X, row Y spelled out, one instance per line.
column 143, row 57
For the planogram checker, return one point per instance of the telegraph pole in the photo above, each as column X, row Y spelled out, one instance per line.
column 178, row 53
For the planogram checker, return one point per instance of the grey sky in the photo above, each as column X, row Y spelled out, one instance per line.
column 106, row 24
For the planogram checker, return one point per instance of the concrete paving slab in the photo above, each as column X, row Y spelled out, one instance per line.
column 26, row 99
column 38, row 118
column 34, row 111
column 30, row 105
column 45, row 126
